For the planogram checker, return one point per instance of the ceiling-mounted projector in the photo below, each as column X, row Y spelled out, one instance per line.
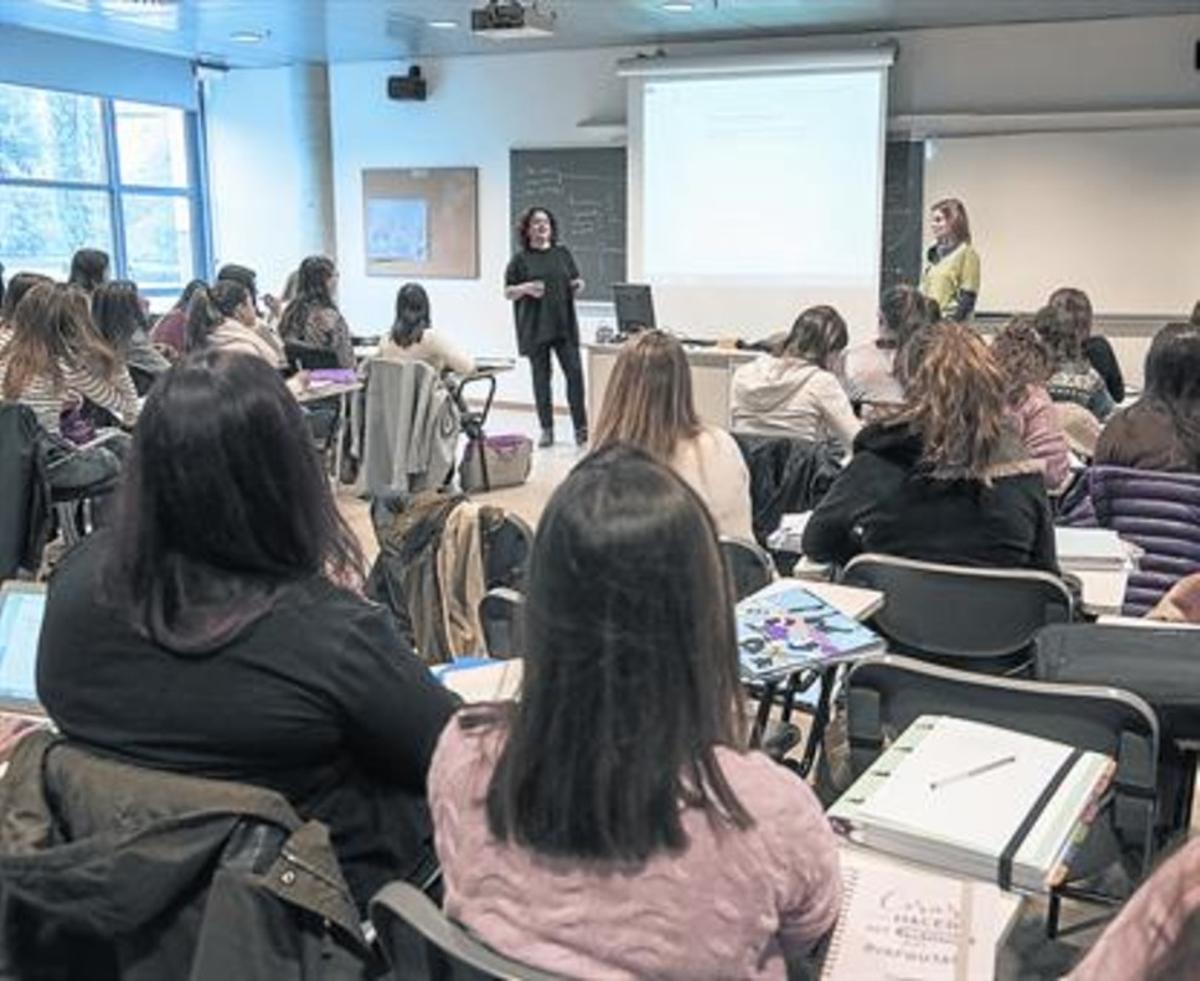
column 505, row 20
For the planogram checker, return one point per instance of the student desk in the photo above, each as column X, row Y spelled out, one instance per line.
column 342, row 392
column 712, row 371
column 502, row 680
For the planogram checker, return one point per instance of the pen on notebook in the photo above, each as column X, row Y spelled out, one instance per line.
column 995, row 764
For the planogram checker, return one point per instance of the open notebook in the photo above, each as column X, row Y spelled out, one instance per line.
column 782, row 629
column 977, row 800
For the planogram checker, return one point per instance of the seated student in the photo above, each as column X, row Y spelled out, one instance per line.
column 412, row 338
column 1024, row 360
column 218, row 630
column 20, row 284
column 50, row 358
column 170, row 332
column 868, row 373
column 89, row 268
column 1075, row 306
column 945, row 479
column 312, row 318
column 610, row 823
column 1154, row 937
column 795, row 392
column 648, row 403
column 231, row 272
column 1161, row 430
column 222, row 317
column 119, row 314
column 1072, row 379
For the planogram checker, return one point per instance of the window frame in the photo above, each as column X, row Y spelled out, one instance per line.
column 193, row 191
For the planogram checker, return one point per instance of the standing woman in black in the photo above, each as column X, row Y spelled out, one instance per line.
column 541, row 281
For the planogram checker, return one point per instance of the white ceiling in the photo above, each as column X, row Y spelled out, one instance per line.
column 353, row 30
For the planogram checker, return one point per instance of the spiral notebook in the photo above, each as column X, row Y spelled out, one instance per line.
column 899, row 924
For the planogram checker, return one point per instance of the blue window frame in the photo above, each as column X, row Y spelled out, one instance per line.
column 84, row 171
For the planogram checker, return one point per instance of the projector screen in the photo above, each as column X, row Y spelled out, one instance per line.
column 757, row 188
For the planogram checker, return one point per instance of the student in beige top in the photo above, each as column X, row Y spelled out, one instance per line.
column 222, row 317
column 795, row 391
column 648, row 404
column 411, row 338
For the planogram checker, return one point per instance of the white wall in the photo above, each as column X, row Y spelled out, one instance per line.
column 270, row 169
column 480, row 107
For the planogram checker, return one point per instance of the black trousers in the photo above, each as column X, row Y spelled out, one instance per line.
column 567, row 353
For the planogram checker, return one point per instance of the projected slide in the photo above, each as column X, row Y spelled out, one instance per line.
column 759, row 189
column 762, row 177
column 398, row 228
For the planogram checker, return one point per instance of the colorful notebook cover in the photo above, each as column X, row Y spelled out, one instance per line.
column 781, row 631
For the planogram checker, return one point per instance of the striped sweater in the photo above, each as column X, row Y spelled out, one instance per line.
column 46, row 397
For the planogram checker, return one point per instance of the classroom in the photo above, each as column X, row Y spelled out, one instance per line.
column 599, row 489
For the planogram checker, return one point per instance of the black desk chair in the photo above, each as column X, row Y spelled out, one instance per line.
column 749, row 564
column 984, row 619
column 1161, row 665
column 308, row 357
column 500, row 613
column 409, row 925
column 886, row 695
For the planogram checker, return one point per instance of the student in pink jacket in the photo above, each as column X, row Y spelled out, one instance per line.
column 1025, row 360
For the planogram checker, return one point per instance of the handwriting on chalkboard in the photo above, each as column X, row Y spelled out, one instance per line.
column 585, row 188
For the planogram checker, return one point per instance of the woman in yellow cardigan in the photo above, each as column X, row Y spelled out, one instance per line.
column 951, row 275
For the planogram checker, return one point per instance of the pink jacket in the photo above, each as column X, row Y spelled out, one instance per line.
column 1149, row 925
column 1037, row 423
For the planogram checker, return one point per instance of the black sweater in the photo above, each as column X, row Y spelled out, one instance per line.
column 319, row 700
column 1101, row 356
column 883, row 502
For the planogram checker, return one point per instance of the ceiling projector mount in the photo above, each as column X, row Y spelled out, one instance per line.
column 508, row 20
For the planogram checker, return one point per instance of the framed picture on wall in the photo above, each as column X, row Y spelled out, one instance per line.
column 422, row 222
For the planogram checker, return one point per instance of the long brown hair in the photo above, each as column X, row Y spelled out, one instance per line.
column 52, row 326
column 818, row 333
column 955, row 213
column 1075, row 307
column 1023, row 356
column 1061, row 333
column 955, row 401
column 648, row 402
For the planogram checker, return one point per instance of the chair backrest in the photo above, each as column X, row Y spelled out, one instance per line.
column 960, row 612
column 506, row 552
column 749, row 564
column 411, row 428
column 500, row 613
column 24, row 491
column 885, row 695
column 307, row 357
column 1160, row 512
column 787, row 475
column 408, row 922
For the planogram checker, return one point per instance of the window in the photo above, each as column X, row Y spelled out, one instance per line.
column 81, row 171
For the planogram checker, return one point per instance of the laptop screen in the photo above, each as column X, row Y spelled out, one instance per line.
column 21, row 615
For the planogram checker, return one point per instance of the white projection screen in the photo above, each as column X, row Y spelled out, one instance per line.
column 756, row 188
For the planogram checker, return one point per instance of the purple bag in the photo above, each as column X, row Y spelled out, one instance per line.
column 76, row 427
column 509, row 459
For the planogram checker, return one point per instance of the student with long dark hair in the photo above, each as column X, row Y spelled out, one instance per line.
column 222, row 317
column 945, row 478
column 1073, row 378
column 232, row 272
column 648, row 404
column 541, row 281
column 89, row 268
column 51, row 358
column 119, row 313
column 1074, row 305
column 611, row 823
column 795, row 391
column 313, row 318
column 1161, row 430
column 170, row 333
column 413, row 339
column 218, row 630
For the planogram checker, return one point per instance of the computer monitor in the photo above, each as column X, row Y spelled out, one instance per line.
column 634, row 306
column 22, row 606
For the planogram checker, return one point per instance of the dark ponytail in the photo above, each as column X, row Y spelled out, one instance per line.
column 209, row 308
